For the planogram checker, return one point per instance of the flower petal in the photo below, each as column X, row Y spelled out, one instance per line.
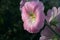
column 47, row 32
column 48, row 15
column 55, row 12
column 43, row 38
column 23, row 2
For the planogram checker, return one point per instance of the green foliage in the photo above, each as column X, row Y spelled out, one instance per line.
column 55, row 37
column 11, row 25
column 54, row 22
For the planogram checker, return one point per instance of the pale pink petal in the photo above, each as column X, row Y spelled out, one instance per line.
column 23, row 2
column 48, row 15
column 24, row 14
column 47, row 32
column 59, row 10
column 55, row 12
column 33, row 5
column 43, row 38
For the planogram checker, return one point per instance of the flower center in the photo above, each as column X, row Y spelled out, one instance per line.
column 32, row 17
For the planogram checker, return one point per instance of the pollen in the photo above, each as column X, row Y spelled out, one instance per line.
column 32, row 17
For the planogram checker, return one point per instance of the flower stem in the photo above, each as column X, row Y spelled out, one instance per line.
column 49, row 26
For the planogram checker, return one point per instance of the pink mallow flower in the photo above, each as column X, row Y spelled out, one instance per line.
column 46, row 34
column 33, row 16
column 54, row 14
column 23, row 2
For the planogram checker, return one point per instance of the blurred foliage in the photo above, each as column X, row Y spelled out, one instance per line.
column 54, row 22
column 11, row 25
column 50, row 3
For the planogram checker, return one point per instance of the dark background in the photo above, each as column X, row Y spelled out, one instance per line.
column 11, row 25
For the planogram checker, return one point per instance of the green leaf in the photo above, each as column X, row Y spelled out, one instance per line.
column 54, row 22
column 55, row 37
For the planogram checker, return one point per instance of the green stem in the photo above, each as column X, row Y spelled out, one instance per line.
column 49, row 26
